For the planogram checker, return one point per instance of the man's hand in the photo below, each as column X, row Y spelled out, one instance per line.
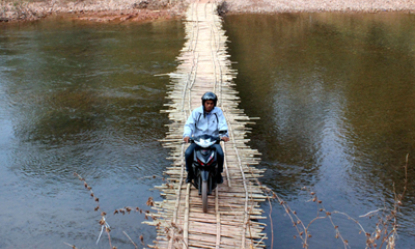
column 225, row 139
column 186, row 139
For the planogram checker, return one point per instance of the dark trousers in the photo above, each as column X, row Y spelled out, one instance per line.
column 189, row 155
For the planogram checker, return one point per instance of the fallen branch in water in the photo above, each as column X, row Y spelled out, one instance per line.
column 73, row 246
column 103, row 222
column 135, row 245
column 127, row 210
column 371, row 212
column 386, row 230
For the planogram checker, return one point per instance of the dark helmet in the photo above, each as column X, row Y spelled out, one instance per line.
column 209, row 96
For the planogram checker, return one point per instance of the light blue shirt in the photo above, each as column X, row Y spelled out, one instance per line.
column 209, row 124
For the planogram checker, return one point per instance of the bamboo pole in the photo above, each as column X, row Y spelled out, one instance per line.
column 218, row 223
column 186, row 219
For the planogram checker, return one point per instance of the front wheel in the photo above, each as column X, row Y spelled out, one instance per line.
column 205, row 196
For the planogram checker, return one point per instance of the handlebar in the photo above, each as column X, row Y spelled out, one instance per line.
column 192, row 140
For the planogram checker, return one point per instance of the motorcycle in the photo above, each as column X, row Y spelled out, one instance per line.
column 205, row 167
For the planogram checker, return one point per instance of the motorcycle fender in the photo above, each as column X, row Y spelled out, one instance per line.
column 204, row 175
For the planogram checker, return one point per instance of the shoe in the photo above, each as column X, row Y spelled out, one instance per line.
column 189, row 177
column 219, row 178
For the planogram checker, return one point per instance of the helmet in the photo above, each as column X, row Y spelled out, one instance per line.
column 209, row 96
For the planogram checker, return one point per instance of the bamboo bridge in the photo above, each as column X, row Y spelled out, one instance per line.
column 234, row 214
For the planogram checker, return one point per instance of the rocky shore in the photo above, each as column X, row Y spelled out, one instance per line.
column 148, row 10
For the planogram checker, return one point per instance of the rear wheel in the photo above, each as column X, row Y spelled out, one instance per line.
column 205, row 196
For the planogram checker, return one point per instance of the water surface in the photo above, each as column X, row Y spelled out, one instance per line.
column 336, row 97
column 81, row 98
column 335, row 94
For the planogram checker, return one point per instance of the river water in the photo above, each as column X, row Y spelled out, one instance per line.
column 335, row 94
column 81, row 98
column 336, row 98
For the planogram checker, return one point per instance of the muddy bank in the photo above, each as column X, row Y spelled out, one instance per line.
column 278, row 6
column 95, row 11
column 149, row 10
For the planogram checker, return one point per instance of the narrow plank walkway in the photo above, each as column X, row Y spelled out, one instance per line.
column 233, row 218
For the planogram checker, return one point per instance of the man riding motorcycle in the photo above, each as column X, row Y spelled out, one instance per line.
column 205, row 120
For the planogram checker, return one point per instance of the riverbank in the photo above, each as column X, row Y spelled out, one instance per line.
column 149, row 10
column 279, row 6
column 95, row 11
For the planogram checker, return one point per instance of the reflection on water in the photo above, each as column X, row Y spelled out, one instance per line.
column 82, row 98
column 335, row 94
